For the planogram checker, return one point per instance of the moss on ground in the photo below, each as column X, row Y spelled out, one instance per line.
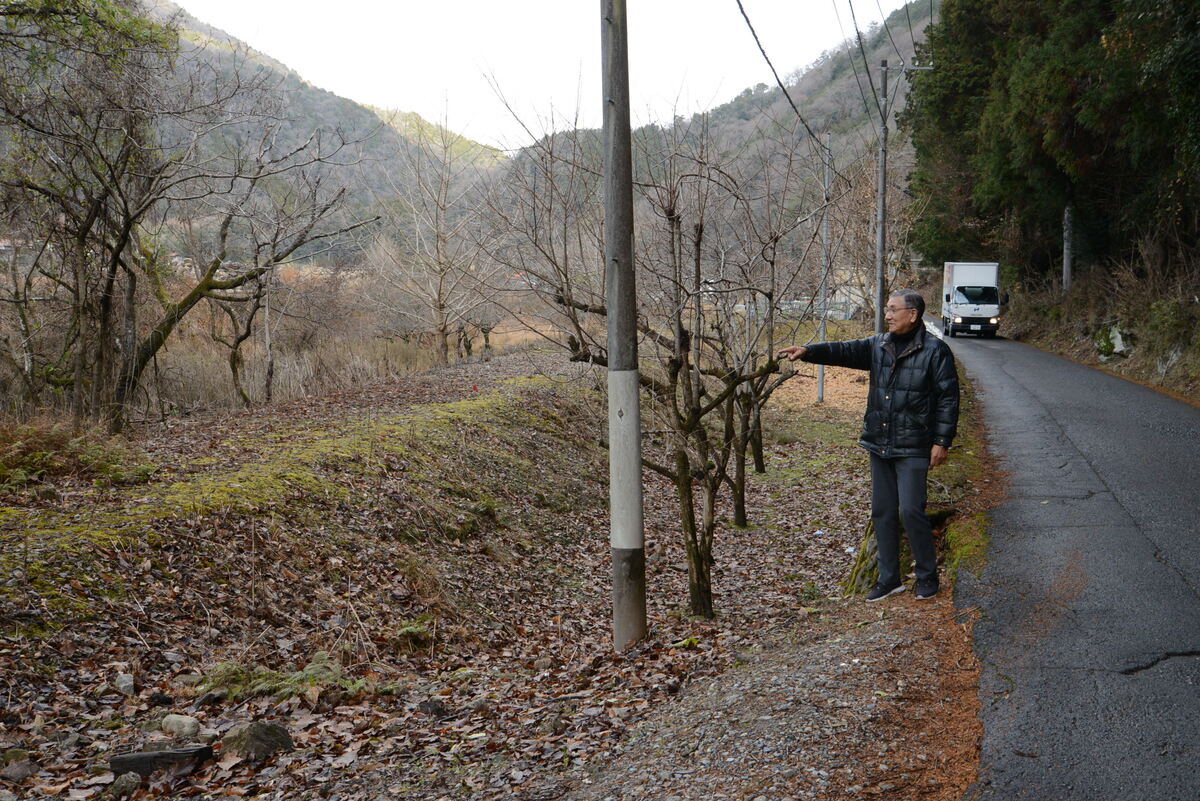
column 965, row 537
column 965, row 542
column 457, row 463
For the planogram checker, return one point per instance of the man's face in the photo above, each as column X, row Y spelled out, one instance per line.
column 899, row 318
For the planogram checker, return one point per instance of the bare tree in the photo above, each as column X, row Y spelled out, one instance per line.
column 694, row 262
column 430, row 250
column 111, row 144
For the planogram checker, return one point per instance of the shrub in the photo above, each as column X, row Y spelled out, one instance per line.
column 241, row 681
column 1170, row 322
column 42, row 449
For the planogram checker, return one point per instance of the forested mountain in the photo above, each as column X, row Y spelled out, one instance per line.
column 1037, row 106
column 379, row 136
column 1044, row 118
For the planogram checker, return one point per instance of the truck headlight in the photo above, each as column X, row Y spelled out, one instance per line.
column 994, row 320
column 958, row 319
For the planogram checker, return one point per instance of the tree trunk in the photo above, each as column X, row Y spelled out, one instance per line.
column 699, row 565
column 864, row 572
column 700, row 581
column 756, row 440
column 741, row 442
column 102, row 366
column 269, row 388
column 443, row 346
column 79, row 311
column 700, row 598
column 115, row 413
column 487, row 343
column 77, row 396
column 131, row 374
column 235, row 370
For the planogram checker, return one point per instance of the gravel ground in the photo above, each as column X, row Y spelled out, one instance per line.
column 857, row 701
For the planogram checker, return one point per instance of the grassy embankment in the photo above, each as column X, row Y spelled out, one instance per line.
column 280, row 499
column 1145, row 330
column 440, row 557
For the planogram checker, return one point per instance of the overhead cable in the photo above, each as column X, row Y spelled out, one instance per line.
column 850, row 58
column 911, row 34
column 895, row 47
column 862, row 49
column 779, row 81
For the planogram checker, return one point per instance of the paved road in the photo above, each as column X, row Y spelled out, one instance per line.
column 1090, row 633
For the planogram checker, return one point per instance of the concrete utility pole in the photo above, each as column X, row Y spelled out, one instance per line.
column 823, row 294
column 1068, row 255
column 881, row 220
column 627, row 533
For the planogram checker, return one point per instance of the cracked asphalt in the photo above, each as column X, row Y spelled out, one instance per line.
column 1090, row 631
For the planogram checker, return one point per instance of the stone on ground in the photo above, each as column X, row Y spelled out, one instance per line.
column 258, row 741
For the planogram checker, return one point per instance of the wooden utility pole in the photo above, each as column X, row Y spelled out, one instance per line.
column 1068, row 255
column 823, row 294
column 626, row 534
column 881, row 219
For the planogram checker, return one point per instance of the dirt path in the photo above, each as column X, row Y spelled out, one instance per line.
column 862, row 702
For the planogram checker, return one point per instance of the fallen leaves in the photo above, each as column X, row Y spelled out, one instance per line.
column 511, row 681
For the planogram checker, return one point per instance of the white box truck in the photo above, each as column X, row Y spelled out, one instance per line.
column 971, row 298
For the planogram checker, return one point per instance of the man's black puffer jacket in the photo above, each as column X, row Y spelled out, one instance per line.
column 913, row 400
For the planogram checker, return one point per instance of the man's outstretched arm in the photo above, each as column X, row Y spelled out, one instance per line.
column 855, row 353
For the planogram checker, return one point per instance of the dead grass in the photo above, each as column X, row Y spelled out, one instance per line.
column 1159, row 319
column 42, row 449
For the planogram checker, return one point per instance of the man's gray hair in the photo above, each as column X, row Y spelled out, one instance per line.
column 912, row 299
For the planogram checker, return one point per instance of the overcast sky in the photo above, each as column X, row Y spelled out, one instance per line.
column 441, row 58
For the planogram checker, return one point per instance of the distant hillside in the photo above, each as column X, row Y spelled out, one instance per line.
column 381, row 136
column 414, row 128
column 834, row 93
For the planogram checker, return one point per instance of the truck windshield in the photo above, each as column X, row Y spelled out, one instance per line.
column 977, row 294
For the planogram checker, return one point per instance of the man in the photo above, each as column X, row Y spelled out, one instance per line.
column 911, row 419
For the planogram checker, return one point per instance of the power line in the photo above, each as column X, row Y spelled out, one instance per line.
column 911, row 35
column 863, row 50
column 779, row 81
column 927, row 39
column 891, row 106
column 850, row 58
column 883, row 16
column 783, row 88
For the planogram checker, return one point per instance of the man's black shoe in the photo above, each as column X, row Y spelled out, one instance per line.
column 879, row 592
column 925, row 590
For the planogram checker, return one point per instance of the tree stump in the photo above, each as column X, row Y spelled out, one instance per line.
column 864, row 572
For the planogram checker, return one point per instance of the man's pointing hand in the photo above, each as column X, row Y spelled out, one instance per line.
column 793, row 353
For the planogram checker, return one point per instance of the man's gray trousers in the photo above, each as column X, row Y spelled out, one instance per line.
column 898, row 493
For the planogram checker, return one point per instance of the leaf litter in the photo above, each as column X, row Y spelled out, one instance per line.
column 424, row 637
